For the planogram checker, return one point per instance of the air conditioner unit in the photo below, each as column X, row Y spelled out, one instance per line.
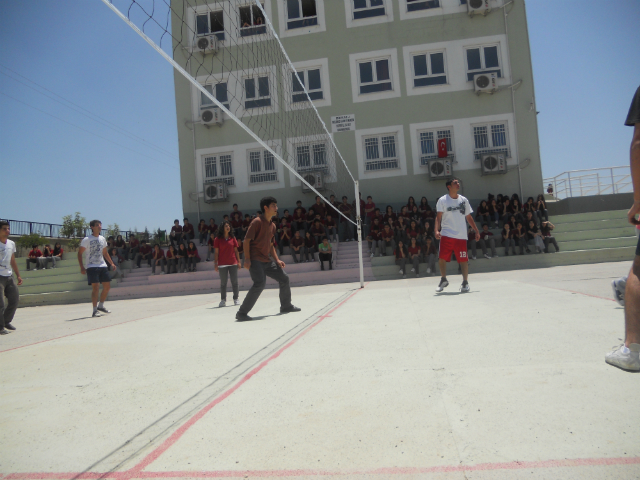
column 215, row 192
column 212, row 116
column 440, row 168
column 478, row 7
column 493, row 163
column 485, row 82
column 315, row 179
column 208, row 44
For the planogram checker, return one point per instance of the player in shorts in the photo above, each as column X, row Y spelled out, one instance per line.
column 454, row 211
column 97, row 271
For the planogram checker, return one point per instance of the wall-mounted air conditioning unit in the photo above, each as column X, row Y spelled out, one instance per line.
column 485, row 82
column 478, row 7
column 215, row 192
column 212, row 116
column 493, row 163
column 208, row 44
column 440, row 168
column 315, row 179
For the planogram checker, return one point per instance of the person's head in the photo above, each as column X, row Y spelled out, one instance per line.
column 325, row 240
column 530, row 200
column 143, row 243
column 236, row 216
column 317, row 223
column 286, row 213
column 483, row 203
column 156, row 247
column 518, row 224
column 212, row 221
column 307, row 234
column 427, row 225
column 376, row 221
column 541, row 196
column 318, row 199
column 186, row 221
column 389, row 209
column 499, row 197
column 247, row 217
column 532, row 224
column 507, row 227
column 400, row 244
column 515, row 202
column 5, row 230
column 269, row 206
column 181, row 247
column 192, row 246
column 423, row 201
column 225, row 218
column 515, row 197
column 529, row 215
column 512, row 219
column 57, row 245
column 414, row 209
column 96, row 227
column 225, row 230
column 113, row 252
column 428, row 240
column 299, row 211
column 344, row 199
column 283, row 221
column 453, row 186
column 119, row 238
column 485, row 227
column 235, row 207
column 493, row 202
column 311, row 213
column 413, row 241
column 387, row 226
column 202, row 222
column 172, row 249
column 414, row 225
column 298, row 203
column 332, row 198
column 176, row 222
column 403, row 210
column 376, row 211
column 411, row 201
column 34, row 247
column 506, row 201
column 297, row 234
column 369, row 199
column 110, row 238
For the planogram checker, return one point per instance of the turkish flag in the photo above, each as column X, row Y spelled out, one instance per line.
column 442, row 148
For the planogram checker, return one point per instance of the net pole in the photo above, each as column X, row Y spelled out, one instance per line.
column 359, row 226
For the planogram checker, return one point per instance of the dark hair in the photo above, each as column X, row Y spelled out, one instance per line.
column 181, row 245
column 191, row 242
column 265, row 202
column 143, row 241
column 426, row 202
column 220, row 233
column 485, row 224
column 171, row 246
column 235, row 205
column 298, row 201
column 176, row 220
column 34, row 246
column 185, row 219
column 369, row 197
column 409, row 201
column 201, row 220
column 3, row 223
column 94, row 223
column 344, row 196
column 212, row 219
column 449, row 182
column 156, row 245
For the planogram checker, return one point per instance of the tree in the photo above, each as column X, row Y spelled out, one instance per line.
column 113, row 230
column 27, row 241
column 74, row 226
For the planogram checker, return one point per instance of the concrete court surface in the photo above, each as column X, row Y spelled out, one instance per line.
column 390, row 381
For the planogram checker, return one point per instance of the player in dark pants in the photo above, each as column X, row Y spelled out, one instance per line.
column 261, row 259
column 8, row 288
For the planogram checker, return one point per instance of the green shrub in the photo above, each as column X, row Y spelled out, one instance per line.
column 27, row 241
column 73, row 226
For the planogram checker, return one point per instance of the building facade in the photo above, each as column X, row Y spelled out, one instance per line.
column 406, row 70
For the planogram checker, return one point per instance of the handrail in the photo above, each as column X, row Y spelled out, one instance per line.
column 52, row 230
column 590, row 181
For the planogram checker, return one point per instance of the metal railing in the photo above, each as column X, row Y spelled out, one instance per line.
column 52, row 230
column 593, row 181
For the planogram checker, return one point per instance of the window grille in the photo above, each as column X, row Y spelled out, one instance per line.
column 262, row 166
column 373, row 147
column 225, row 170
column 490, row 139
column 429, row 147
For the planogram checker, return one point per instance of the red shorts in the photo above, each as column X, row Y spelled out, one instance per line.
column 450, row 246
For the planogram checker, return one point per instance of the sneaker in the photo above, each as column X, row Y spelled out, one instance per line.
column 372, row 254
column 413, row 270
column 464, row 288
column 96, row 314
column 290, row 309
column 486, row 255
column 153, row 273
column 243, row 317
column 236, row 301
column 400, row 272
column 428, row 271
column 8, row 326
column 207, row 260
column 443, row 284
column 473, row 257
column 626, row 361
column 223, row 303
column 103, row 310
column 161, row 273
column 3, row 331
column 404, row 276
column 618, row 286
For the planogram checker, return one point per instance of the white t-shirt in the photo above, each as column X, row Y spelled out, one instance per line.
column 454, row 211
column 6, row 253
column 94, row 246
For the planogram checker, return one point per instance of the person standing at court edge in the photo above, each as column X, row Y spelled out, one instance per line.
column 8, row 286
column 261, row 259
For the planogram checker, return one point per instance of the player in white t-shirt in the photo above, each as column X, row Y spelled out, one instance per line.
column 454, row 211
column 97, row 272
column 8, row 287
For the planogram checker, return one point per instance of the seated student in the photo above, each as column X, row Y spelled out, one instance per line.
column 210, row 247
column 317, row 230
column 415, row 215
column 192, row 257
column 387, row 240
column 324, row 253
column 188, row 233
column 134, row 246
column 33, row 256
column 288, row 217
column 411, row 202
column 234, row 211
column 374, row 236
column 182, row 257
column 471, row 242
column 379, row 216
column 56, row 254
column 158, row 259
column 115, row 271
column 236, row 225
column 297, row 247
column 389, row 214
column 172, row 260
column 545, row 229
column 284, row 235
column 531, row 217
column 542, row 208
column 226, row 218
column 424, row 203
column 429, row 215
column 335, row 203
column 507, row 211
column 414, row 256
column 508, row 240
column 320, row 219
column 175, row 236
column 404, row 214
column 345, row 226
column 402, row 255
column 111, row 242
column 309, row 219
column 534, row 235
column 486, row 239
column 299, row 206
column 369, row 209
column 310, row 247
column 245, row 226
column 517, row 209
column 428, row 231
column 413, row 231
column 121, row 245
column 401, row 230
column 47, row 252
column 203, row 232
column 144, row 253
column 520, row 236
column 213, row 228
column 299, row 224
column 331, row 228
column 319, row 207
column 494, row 211
column 429, row 253
column 529, row 206
column 512, row 222
column 482, row 212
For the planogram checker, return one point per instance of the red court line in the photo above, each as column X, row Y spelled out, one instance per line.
column 169, row 442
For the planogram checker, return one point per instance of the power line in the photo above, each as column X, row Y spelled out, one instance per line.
column 88, row 131
column 98, row 118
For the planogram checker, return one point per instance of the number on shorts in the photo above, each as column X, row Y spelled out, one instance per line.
column 463, row 254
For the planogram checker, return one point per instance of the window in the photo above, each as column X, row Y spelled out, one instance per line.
column 491, row 138
column 380, row 153
column 374, row 76
column 220, row 94
column 218, row 167
column 367, row 8
column 262, row 167
column 483, row 59
column 252, row 21
column 210, row 22
column 429, row 69
column 311, row 157
column 257, row 93
column 415, row 5
column 301, row 13
column 428, row 143
column 311, row 81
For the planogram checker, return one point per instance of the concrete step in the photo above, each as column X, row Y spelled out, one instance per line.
column 597, row 243
column 615, row 232
column 584, row 217
column 55, row 298
column 593, row 225
column 34, row 279
column 26, row 289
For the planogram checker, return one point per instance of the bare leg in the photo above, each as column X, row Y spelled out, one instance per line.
column 464, row 266
column 443, row 267
column 632, row 304
column 105, row 291
column 95, row 293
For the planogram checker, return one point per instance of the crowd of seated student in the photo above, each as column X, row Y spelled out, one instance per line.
column 42, row 258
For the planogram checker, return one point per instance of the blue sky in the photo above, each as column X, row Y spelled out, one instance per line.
column 58, row 157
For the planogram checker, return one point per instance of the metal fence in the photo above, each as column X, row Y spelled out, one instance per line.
column 594, row 181
column 52, row 230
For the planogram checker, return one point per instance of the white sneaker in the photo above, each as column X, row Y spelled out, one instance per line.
column 400, row 272
column 223, row 303
column 464, row 288
column 236, row 301
column 443, row 284
column 428, row 271
column 618, row 285
column 404, row 276
column 372, row 254
column 486, row 255
column 626, row 361
column 473, row 257
column 162, row 273
column 413, row 270
column 153, row 273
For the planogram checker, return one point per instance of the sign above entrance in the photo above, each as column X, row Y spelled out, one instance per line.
column 343, row 123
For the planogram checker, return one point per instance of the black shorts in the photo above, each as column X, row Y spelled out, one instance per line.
column 98, row 275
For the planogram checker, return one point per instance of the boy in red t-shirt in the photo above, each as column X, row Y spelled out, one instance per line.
column 134, row 246
column 175, row 236
column 429, row 253
column 284, row 235
column 33, row 257
column 187, row 232
column 297, row 247
column 145, row 253
column 374, row 236
column 236, row 224
column 330, row 228
column 203, row 232
column 414, row 255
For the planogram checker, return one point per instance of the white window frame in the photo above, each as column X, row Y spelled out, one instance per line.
column 256, row 78
column 491, row 147
column 303, row 75
column 437, row 133
column 377, row 142
column 216, row 159
column 320, row 63
column 283, row 17
column 483, row 68
column 313, row 148
column 208, row 13
column 355, row 59
column 251, row 6
column 352, row 22
column 210, row 87
column 430, row 74
column 374, row 73
column 361, row 136
column 264, row 174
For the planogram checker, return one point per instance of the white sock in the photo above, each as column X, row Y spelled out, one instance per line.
column 100, row 305
column 95, row 309
column 625, row 350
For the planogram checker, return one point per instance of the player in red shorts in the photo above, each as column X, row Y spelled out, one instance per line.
column 454, row 211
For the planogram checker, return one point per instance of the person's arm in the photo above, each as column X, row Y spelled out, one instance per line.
column 14, row 266
column 438, row 222
column 80, row 252
column 106, row 255
column 635, row 174
column 215, row 258
column 235, row 249
column 274, row 254
column 246, row 244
